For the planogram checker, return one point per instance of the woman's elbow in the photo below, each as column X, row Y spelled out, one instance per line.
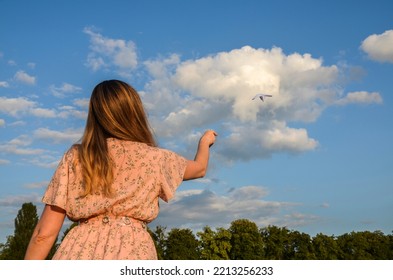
column 201, row 173
column 194, row 171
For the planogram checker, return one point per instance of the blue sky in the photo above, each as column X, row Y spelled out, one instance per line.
column 316, row 157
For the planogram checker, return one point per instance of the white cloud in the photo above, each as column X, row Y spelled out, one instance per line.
column 196, row 208
column 360, row 97
column 95, row 63
column 83, row 102
column 19, row 106
column 79, row 113
column 187, row 115
column 67, row 136
column 2, row 122
column 22, row 140
column 379, row 46
column 64, row 89
column 25, row 78
column 160, row 67
column 43, row 113
column 4, row 84
column 15, row 106
column 107, row 52
column 19, row 146
column 67, row 111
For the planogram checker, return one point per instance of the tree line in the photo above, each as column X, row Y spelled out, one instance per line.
column 242, row 240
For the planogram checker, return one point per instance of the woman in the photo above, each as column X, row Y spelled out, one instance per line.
column 112, row 181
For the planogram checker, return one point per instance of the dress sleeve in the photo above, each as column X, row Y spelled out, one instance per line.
column 172, row 167
column 57, row 191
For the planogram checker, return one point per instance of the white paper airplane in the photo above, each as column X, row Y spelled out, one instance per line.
column 262, row 96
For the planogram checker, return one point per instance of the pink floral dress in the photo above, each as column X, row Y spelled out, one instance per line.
column 115, row 227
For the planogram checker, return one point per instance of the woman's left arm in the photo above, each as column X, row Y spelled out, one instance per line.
column 45, row 233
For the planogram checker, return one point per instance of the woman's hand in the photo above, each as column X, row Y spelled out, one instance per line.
column 197, row 168
column 209, row 137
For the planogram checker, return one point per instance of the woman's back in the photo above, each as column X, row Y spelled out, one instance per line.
column 142, row 175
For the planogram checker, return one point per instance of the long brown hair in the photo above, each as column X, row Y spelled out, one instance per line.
column 115, row 110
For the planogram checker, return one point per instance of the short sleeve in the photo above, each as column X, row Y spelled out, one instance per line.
column 172, row 168
column 57, row 190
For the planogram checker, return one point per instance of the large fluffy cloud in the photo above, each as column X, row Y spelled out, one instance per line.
column 216, row 91
column 379, row 46
column 235, row 77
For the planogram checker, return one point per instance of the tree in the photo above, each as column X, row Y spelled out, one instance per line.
column 276, row 242
column 181, row 244
column 325, row 247
column 215, row 245
column 377, row 245
column 300, row 246
column 25, row 222
column 364, row 246
column 159, row 238
column 246, row 242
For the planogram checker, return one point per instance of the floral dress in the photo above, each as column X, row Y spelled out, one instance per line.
column 115, row 227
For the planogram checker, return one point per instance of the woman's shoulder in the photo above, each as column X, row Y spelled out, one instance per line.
column 74, row 149
column 72, row 153
column 138, row 146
